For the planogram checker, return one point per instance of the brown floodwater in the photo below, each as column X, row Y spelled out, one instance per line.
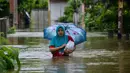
column 96, row 55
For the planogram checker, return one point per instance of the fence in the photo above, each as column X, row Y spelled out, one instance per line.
column 39, row 18
column 3, row 27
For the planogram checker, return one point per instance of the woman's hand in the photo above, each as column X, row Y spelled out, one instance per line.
column 62, row 46
column 53, row 49
column 68, row 51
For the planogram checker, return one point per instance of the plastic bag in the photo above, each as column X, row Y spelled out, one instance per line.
column 70, row 45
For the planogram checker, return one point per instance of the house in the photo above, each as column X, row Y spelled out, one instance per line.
column 56, row 8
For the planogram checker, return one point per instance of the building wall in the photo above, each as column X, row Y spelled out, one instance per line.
column 56, row 10
column 39, row 18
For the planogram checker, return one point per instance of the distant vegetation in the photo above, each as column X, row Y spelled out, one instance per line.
column 28, row 5
column 4, row 8
column 69, row 10
column 102, row 15
column 3, row 41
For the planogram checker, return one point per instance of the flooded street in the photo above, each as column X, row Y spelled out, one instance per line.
column 99, row 54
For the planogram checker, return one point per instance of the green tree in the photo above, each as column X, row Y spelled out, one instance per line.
column 69, row 10
column 101, row 15
column 126, row 16
column 28, row 5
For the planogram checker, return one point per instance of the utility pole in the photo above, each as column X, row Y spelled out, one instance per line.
column 13, row 12
column 37, row 3
column 83, row 14
column 120, row 18
column 49, row 9
column 75, row 13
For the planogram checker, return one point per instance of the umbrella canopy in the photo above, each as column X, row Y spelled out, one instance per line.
column 77, row 33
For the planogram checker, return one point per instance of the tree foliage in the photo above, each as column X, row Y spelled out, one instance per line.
column 101, row 15
column 126, row 16
column 69, row 10
column 28, row 5
column 4, row 8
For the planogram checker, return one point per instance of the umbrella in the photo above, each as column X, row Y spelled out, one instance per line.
column 77, row 33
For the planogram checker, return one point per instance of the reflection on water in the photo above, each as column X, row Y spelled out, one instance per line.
column 66, row 65
column 106, row 43
column 124, row 62
column 97, row 55
column 26, row 40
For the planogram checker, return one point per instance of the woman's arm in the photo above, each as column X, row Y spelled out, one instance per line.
column 53, row 49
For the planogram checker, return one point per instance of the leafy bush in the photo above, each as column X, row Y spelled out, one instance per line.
column 62, row 19
column 101, row 16
column 3, row 40
column 43, row 4
column 69, row 11
column 8, row 57
column 12, row 30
